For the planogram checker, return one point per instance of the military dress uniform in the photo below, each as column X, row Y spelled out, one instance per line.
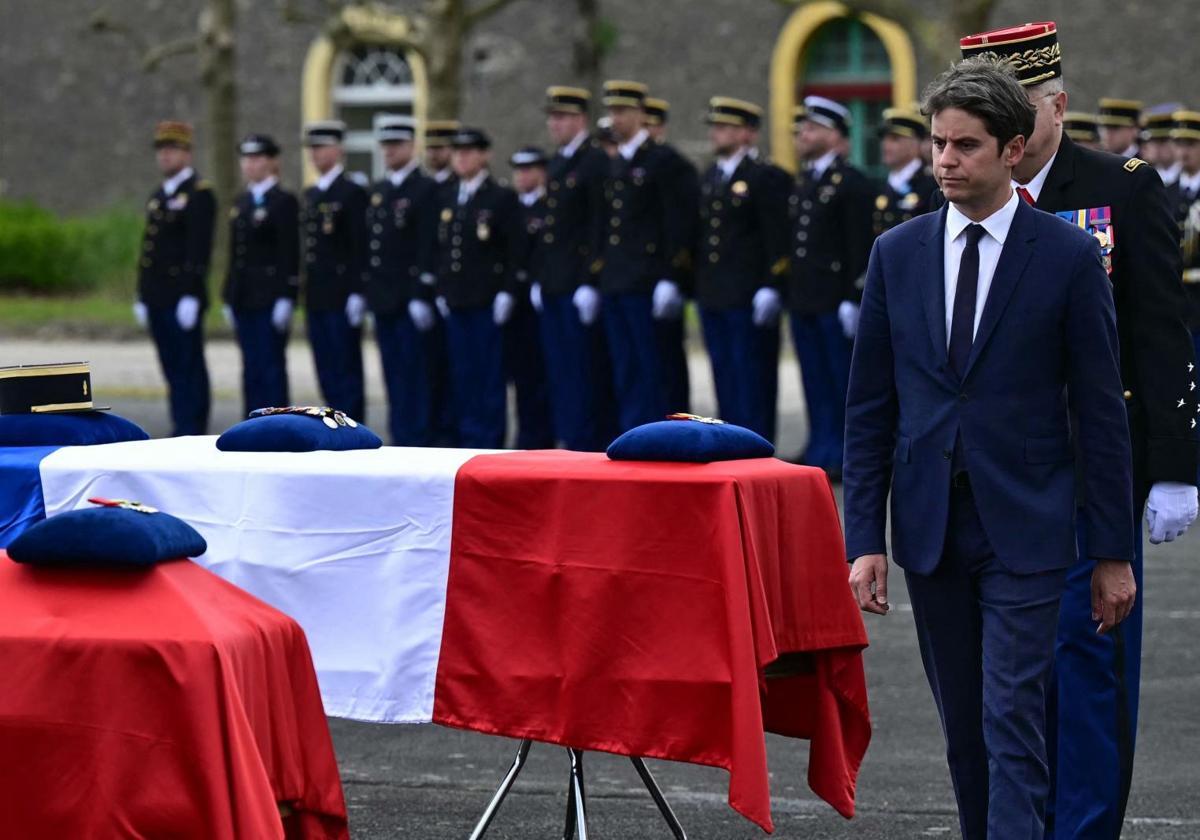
column 578, row 373
column 740, row 248
column 523, row 362
column 905, row 194
column 333, row 219
column 671, row 340
column 1121, row 113
column 1186, row 193
column 638, row 244
column 263, row 281
column 175, row 253
column 1083, row 128
column 1094, row 705
column 829, row 212
column 475, row 257
column 400, row 212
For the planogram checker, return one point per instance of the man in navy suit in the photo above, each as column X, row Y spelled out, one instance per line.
column 983, row 327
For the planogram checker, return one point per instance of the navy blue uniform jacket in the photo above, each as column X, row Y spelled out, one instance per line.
column 1046, row 344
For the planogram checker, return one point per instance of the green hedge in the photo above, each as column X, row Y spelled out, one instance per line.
column 41, row 253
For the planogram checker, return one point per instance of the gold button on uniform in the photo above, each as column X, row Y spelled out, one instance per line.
column 1128, row 395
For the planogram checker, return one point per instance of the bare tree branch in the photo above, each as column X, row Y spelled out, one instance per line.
column 485, row 10
column 155, row 56
column 102, row 22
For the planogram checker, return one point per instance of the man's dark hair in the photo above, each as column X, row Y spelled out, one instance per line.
column 988, row 90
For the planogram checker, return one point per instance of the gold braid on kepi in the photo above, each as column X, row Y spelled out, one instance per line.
column 1031, row 50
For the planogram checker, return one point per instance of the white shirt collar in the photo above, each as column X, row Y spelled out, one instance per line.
column 900, row 179
column 730, row 164
column 531, row 198
column 571, row 148
column 260, row 189
column 752, row 152
column 821, row 164
column 996, row 225
column 1189, row 183
column 1171, row 173
column 173, row 183
column 1131, row 150
column 629, row 148
column 442, row 175
column 397, row 176
column 329, row 177
column 1034, row 187
column 470, row 187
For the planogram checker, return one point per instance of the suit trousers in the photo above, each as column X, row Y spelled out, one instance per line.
column 525, row 369
column 577, row 374
column 477, row 384
column 823, row 352
column 264, row 359
column 987, row 643
column 633, row 343
column 672, row 352
column 181, row 356
column 745, row 365
column 337, row 352
column 406, row 355
column 1092, row 707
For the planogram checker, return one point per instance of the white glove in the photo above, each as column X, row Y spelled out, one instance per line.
column 227, row 313
column 281, row 315
column 1170, row 510
column 442, row 307
column 502, row 308
column 421, row 314
column 767, row 305
column 848, row 318
column 535, row 297
column 587, row 304
column 187, row 312
column 356, row 308
column 141, row 314
column 668, row 301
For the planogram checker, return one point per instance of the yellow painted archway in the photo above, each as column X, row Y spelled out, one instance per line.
column 788, row 59
column 358, row 25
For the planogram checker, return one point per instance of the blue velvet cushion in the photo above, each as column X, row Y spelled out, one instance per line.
column 106, row 536
column 294, row 433
column 698, row 440
column 76, row 429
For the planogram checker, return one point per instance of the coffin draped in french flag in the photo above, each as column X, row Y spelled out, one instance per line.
column 667, row 610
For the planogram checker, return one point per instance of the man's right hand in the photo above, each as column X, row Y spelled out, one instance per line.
column 1114, row 592
column 868, row 582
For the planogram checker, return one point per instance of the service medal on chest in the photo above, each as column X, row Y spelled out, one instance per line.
column 482, row 231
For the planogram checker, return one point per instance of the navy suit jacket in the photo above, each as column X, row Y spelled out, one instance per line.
column 1046, row 344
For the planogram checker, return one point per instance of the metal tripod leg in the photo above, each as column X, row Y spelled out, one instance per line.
column 659, row 800
column 576, row 799
column 501, row 792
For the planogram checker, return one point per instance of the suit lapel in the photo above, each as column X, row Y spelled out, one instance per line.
column 1018, row 246
column 931, row 270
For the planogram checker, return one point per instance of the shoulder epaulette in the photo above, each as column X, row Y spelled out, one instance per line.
column 1133, row 163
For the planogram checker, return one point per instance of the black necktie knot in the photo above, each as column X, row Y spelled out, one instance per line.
column 974, row 233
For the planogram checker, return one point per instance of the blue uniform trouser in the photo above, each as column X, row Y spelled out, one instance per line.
column 1092, row 708
column 823, row 352
column 264, row 359
column 575, row 373
column 745, row 365
column 181, row 356
column 337, row 351
column 987, row 643
column 476, row 351
column 672, row 354
column 525, row 369
column 633, row 345
column 407, row 356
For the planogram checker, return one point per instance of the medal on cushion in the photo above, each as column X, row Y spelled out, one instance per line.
column 331, row 417
column 696, row 418
column 123, row 504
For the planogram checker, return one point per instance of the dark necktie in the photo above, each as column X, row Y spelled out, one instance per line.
column 962, row 328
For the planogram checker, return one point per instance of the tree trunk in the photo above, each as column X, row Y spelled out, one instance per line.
column 219, row 74
column 445, row 35
column 585, row 51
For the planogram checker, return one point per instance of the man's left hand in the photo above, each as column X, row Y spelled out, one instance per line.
column 1113, row 593
column 1170, row 510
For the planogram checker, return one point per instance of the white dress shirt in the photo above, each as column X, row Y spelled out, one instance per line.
column 818, row 166
column 990, row 245
column 442, row 175
column 329, row 177
column 1170, row 174
column 397, row 176
column 629, row 148
column 172, row 183
column 1034, row 187
column 1189, row 184
column 259, row 189
column 730, row 164
column 901, row 179
column 571, row 148
column 528, row 199
column 466, row 189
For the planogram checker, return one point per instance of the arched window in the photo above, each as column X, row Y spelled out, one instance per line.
column 368, row 82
